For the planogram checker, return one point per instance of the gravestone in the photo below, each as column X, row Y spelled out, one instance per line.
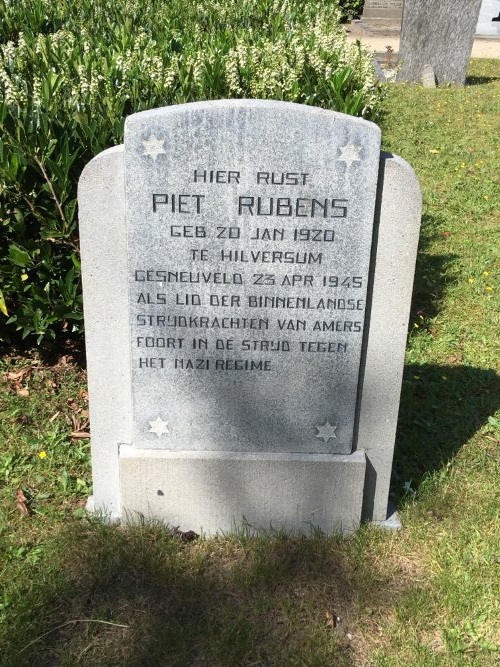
column 379, row 72
column 428, row 77
column 488, row 24
column 247, row 272
column 439, row 33
column 383, row 9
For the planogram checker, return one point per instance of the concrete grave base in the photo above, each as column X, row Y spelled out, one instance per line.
column 393, row 522
column 219, row 492
column 382, row 14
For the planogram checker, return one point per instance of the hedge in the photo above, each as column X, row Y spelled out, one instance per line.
column 70, row 72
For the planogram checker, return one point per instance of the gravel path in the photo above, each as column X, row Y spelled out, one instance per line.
column 378, row 39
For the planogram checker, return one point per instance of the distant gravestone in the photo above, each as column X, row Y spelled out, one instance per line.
column 439, row 33
column 488, row 24
column 383, row 9
column 379, row 72
column 428, row 77
column 233, row 367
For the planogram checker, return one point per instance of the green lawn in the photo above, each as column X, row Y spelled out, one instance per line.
column 78, row 592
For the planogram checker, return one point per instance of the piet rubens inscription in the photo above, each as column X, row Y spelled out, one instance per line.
column 204, row 316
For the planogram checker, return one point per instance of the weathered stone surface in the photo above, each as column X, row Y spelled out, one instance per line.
column 247, row 296
column 382, row 9
column 103, row 247
column 268, row 483
column 397, row 225
column 439, row 33
column 214, row 492
column 428, row 77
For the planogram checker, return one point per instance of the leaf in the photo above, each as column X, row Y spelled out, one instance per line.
column 19, row 257
column 185, row 536
column 21, row 502
column 3, row 306
column 17, row 375
column 15, row 379
column 331, row 620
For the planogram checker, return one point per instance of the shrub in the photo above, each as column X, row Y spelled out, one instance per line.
column 351, row 8
column 70, row 73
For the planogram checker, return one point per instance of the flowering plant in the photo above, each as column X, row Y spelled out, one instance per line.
column 71, row 72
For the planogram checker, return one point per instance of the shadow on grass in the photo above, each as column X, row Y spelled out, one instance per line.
column 441, row 408
column 232, row 601
column 238, row 600
column 49, row 352
column 480, row 80
column 433, row 273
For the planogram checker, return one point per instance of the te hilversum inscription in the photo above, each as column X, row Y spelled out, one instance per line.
column 248, row 273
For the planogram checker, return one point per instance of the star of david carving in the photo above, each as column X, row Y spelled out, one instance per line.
column 326, row 431
column 350, row 153
column 159, row 426
column 153, row 147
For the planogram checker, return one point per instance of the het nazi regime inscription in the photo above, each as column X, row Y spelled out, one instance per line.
column 249, row 249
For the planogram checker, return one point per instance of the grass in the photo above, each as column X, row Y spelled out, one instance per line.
column 77, row 591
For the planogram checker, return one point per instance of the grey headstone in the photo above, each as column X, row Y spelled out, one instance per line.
column 379, row 72
column 397, row 224
column 428, row 77
column 247, row 297
column 382, row 9
column 439, row 33
column 140, row 462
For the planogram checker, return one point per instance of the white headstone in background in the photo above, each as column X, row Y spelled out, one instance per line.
column 229, row 347
column 486, row 27
column 383, row 9
column 428, row 77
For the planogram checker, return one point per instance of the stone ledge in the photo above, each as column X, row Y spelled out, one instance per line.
column 220, row 492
